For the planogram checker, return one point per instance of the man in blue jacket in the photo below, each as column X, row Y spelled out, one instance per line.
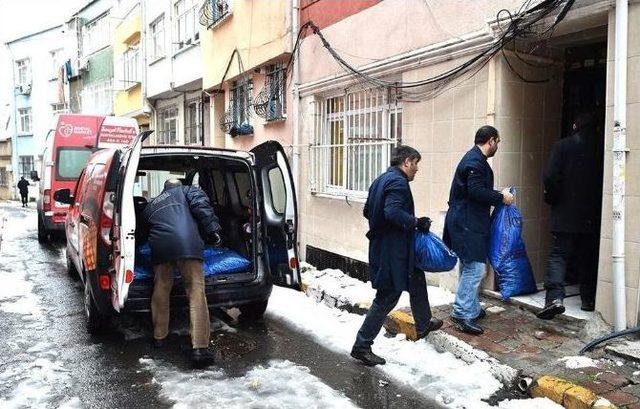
column 467, row 225
column 174, row 221
column 392, row 224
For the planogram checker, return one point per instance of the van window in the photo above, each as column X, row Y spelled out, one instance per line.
column 218, row 182
column 150, row 183
column 70, row 162
column 277, row 190
column 244, row 187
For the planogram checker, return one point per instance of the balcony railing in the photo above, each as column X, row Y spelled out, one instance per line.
column 212, row 11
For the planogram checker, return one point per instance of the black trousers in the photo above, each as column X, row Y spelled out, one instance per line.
column 386, row 300
column 25, row 198
column 582, row 251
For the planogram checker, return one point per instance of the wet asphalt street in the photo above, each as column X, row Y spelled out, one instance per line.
column 47, row 359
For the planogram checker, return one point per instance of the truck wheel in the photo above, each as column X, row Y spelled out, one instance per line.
column 96, row 322
column 254, row 310
column 42, row 233
column 71, row 268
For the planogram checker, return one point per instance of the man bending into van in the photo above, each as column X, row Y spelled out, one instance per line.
column 174, row 221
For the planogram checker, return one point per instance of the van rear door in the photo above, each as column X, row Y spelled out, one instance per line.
column 125, row 222
column 279, row 213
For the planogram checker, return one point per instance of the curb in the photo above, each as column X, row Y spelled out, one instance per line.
column 568, row 394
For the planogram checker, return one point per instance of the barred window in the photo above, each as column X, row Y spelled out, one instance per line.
column 276, row 85
column 25, row 166
column 167, row 126
column 241, row 95
column 353, row 138
column 193, row 123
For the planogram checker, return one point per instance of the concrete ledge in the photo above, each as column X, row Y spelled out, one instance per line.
column 567, row 394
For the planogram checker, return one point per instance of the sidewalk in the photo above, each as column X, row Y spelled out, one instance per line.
column 515, row 343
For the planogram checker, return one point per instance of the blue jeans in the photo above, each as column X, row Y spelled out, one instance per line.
column 467, row 304
column 385, row 301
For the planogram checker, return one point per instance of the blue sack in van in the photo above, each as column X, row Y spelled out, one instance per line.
column 217, row 261
column 432, row 254
column 508, row 255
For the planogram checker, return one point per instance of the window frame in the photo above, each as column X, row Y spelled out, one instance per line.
column 163, row 119
column 157, row 34
column 23, row 70
column 56, row 63
column 241, row 90
column 186, row 30
column 22, row 163
column 347, row 127
column 276, row 74
column 131, row 66
column 190, row 125
column 25, row 117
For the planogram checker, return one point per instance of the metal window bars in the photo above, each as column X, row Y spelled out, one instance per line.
column 213, row 11
column 353, row 137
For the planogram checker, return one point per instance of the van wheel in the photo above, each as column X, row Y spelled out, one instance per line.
column 254, row 310
column 42, row 233
column 71, row 268
column 96, row 322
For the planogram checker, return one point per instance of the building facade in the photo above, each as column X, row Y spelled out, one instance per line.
column 38, row 93
column 173, row 63
column 530, row 94
column 246, row 48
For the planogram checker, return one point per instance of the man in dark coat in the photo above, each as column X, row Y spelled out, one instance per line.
column 23, row 187
column 467, row 225
column 174, row 221
column 392, row 224
column 573, row 188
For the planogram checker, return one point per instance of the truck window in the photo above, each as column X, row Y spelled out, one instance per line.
column 70, row 162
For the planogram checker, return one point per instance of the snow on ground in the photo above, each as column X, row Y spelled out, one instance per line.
column 576, row 362
column 417, row 364
column 351, row 291
column 281, row 384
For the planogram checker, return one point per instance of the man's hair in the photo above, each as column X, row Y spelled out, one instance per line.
column 583, row 120
column 484, row 134
column 171, row 183
column 402, row 153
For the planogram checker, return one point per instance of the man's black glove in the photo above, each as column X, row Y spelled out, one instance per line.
column 423, row 224
column 215, row 239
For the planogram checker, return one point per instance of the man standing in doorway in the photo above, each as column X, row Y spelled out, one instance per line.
column 573, row 188
column 23, row 187
column 174, row 220
column 392, row 224
column 467, row 225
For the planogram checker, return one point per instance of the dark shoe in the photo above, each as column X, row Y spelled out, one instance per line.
column 588, row 306
column 202, row 357
column 434, row 325
column 159, row 343
column 483, row 314
column 467, row 325
column 551, row 310
column 367, row 357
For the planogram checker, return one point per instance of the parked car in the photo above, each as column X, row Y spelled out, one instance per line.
column 70, row 141
column 252, row 194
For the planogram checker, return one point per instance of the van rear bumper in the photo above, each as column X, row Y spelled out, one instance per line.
column 50, row 225
column 219, row 295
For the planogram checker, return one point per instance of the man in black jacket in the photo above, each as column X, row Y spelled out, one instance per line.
column 467, row 225
column 573, row 188
column 174, row 221
column 23, row 187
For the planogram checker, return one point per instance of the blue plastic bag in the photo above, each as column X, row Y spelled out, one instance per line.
column 217, row 261
column 508, row 255
column 432, row 254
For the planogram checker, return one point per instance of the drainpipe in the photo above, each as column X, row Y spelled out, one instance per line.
column 14, row 137
column 295, row 27
column 619, row 163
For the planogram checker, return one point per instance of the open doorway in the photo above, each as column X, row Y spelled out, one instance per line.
column 583, row 92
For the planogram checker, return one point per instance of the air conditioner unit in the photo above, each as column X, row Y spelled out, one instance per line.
column 25, row 89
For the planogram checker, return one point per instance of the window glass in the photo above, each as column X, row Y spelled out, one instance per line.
column 277, row 190
column 70, row 162
column 218, row 182
column 150, row 183
column 244, row 187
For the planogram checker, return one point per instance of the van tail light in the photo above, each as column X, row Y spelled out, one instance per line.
column 46, row 200
column 106, row 218
column 105, row 281
column 128, row 277
column 293, row 263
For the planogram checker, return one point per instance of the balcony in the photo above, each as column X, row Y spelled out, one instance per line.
column 213, row 11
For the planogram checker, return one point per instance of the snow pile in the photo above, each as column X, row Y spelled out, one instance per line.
column 351, row 291
column 537, row 403
column 38, row 382
column 281, row 384
column 577, row 362
column 417, row 364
